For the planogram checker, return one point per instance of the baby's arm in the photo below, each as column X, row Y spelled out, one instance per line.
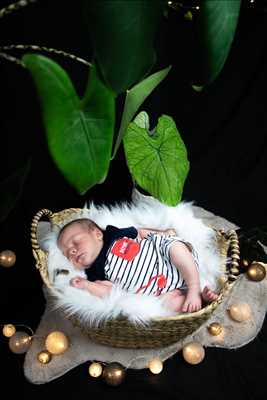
column 182, row 258
column 143, row 232
column 97, row 288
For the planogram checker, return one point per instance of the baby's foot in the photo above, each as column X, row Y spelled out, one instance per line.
column 78, row 282
column 208, row 295
column 192, row 302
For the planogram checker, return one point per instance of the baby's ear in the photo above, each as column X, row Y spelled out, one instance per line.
column 99, row 233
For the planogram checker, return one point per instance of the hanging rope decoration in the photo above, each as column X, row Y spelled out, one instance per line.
column 15, row 6
column 34, row 47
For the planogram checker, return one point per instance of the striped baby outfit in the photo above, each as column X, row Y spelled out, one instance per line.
column 144, row 265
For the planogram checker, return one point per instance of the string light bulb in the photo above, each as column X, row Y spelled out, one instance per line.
column 9, row 330
column 193, row 353
column 240, row 312
column 114, row 374
column 7, row 258
column 19, row 342
column 44, row 357
column 155, row 366
column 56, row 342
column 95, row 369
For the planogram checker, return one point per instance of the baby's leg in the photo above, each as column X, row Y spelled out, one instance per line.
column 173, row 300
column 184, row 261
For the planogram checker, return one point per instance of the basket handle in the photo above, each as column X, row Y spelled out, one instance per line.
column 34, row 225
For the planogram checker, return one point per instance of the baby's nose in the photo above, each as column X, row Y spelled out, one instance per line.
column 73, row 251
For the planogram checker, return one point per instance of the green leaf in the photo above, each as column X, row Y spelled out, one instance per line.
column 216, row 28
column 123, row 33
column 134, row 98
column 11, row 189
column 157, row 161
column 79, row 132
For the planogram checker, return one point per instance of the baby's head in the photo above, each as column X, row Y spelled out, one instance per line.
column 80, row 241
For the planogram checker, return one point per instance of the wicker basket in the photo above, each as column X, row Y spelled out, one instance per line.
column 160, row 332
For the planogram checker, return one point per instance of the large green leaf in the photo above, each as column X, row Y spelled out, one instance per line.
column 157, row 160
column 216, row 27
column 11, row 189
column 134, row 98
column 79, row 132
column 123, row 33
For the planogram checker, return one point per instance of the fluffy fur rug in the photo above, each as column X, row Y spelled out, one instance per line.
column 146, row 212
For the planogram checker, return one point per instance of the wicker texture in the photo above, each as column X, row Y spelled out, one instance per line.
column 160, row 332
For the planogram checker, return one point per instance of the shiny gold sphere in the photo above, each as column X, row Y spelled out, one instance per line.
column 114, row 374
column 193, row 353
column 215, row 329
column 9, row 330
column 19, row 342
column 155, row 365
column 95, row 369
column 56, row 342
column 256, row 272
column 44, row 357
column 240, row 312
column 7, row 258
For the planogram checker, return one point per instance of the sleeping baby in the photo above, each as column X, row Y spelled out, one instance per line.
column 140, row 261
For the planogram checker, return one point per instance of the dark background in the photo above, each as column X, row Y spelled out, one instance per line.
column 224, row 129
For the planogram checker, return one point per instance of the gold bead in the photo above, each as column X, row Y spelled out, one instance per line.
column 95, row 369
column 56, row 342
column 9, row 330
column 19, row 342
column 256, row 272
column 240, row 312
column 193, row 353
column 215, row 329
column 44, row 357
column 155, row 365
column 7, row 258
column 114, row 374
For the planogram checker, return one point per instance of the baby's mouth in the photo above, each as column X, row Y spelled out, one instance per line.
column 80, row 258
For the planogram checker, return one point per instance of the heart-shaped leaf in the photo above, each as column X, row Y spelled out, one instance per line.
column 79, row 132
column 123, row 33
column 216, row 26
column 157, row 160
column 134, row 98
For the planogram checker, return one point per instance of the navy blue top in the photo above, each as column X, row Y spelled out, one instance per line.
column 110, row 235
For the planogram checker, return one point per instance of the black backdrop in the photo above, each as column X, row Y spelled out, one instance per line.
column 224, row 130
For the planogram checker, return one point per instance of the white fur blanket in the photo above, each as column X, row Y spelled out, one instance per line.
column 146, row 212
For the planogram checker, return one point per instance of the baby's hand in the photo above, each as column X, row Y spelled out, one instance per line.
column 78, row 282
column 192, row 301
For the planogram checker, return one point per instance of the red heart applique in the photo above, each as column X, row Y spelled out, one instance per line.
column 126, row 249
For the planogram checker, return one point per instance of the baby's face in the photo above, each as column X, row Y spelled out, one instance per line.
column 81, row 245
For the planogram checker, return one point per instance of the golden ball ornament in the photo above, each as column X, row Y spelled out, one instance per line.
column 95, row 369
column 44, row 357
column 215, row 329
column 193, row 353
column 240, row 312
column 19, row 342
column 256, row 272
column 114, row 373
column 7, row 258
column 56, row 342
column 9, row 330
column 155, row 365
